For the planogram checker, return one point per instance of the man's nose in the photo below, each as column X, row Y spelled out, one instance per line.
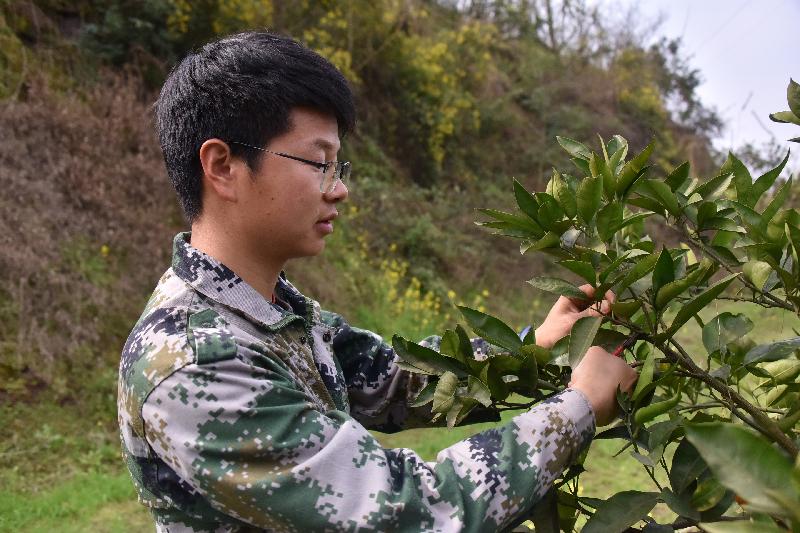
column 339, row 193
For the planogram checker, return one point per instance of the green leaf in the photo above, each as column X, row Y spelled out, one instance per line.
column 750, row 219
column 494, row 380
column 764, row 182
column 786, row 117
column 618, row 148
column 621, row 511
column 544, row 514
column 637, row 272
column 574, row 148
column 778, row 200
column 492, row 329
column 506, row 229
column 705, row 211
column 724, row 329
column 581, row 268
column 742, row 179
column 630, row 220
column 450, row 345
column 609, row 180
column 679, row 504
column 670, row 291
column 608, row 219
column 477, row 390
column 745, row 463
column 609, row 339
column 719, row 223
column 550, row 240
column 625, row 309
column 518, row 221
column 613, row 267
column 647, row 203
column 425, row 395
column 772, row 351
column 564, row 195
column 543, row 356
column 697, row 304
column 715, row 187
column 425, row 359
column 633, row 170
column 589, row 196
column 528, row 372
column 664, row 196
column 664, row 271
column 793, row 96
column 661, row 432
column 402, row 365
column 557, row 286
column 464, row 344
column 582, row 337
column 549, row 210
column 646, row 375
column 740, row 527
column 678, row 176
column 781, row 372
column 445, row 393
column 526, row 202
column 709, row 493
column 687, row 465
column 757, row 272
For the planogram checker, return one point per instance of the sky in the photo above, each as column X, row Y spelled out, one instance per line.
column 746, row 51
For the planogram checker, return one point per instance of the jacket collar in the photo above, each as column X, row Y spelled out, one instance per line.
column 221, row 284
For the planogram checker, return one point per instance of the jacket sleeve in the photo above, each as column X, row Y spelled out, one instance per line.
column 247, row 438
column 380, row 391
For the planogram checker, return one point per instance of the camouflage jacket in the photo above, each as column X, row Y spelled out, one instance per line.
column 237, row 414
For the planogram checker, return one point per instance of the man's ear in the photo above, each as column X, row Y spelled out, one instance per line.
column 222, row 173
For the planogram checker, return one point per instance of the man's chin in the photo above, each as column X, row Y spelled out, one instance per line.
column 311, row 250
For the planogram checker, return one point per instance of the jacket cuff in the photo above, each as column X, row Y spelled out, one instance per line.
column 575, row 415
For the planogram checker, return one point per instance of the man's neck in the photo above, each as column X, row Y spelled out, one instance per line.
column 259, row 274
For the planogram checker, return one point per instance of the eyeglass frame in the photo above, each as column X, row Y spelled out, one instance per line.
column 340, row 168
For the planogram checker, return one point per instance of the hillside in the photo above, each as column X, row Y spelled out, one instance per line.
column 454, row 99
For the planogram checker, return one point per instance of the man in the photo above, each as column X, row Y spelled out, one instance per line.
column 242, row 405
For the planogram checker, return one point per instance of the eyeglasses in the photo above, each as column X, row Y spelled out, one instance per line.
column 332, row 171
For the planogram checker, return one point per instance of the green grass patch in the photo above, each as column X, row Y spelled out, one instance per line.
column 95, row 501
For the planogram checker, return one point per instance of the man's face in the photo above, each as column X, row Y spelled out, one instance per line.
column 283, row 213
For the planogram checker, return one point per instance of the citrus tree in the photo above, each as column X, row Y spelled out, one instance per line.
column 722, row 421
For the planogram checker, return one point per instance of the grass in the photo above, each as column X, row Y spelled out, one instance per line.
column 95, row 501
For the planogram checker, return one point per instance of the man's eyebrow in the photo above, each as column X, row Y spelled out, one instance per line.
column 325, row 145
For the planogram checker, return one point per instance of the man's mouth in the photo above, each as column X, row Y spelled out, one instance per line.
column 325, row 224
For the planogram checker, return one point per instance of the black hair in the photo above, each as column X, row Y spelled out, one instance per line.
column 241, row 88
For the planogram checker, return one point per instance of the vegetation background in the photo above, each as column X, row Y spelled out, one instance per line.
column 454, row 97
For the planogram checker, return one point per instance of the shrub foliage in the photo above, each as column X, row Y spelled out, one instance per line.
column 730, row 414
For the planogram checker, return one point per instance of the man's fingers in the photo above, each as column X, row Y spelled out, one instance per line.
column 588, row 302
column 596, row 309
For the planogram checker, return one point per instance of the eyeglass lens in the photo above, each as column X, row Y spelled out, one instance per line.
column 338, row 171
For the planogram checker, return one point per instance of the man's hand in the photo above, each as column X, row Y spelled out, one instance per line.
column 566, row 311
column 597, row 376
